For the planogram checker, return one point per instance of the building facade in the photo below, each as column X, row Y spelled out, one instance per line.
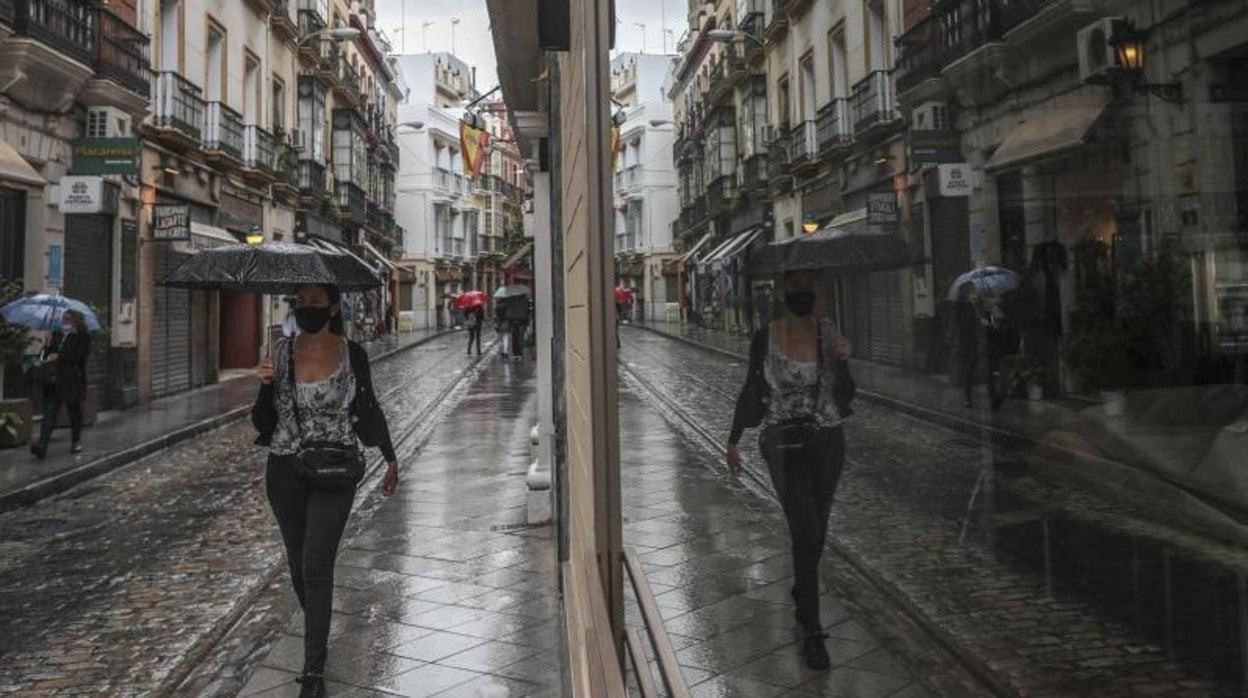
column 457, row 226
column 646, row 201
column 75, row 90
column 240, row 119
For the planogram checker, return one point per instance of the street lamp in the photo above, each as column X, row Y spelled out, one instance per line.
column 413, row 125
column 255, row 236
column 655, row 123
column 809, row 224
column 335, row 34
column 727, row 36
column 1128, row 45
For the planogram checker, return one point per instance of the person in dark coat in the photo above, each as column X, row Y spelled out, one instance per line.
column 475, row 321
column 973, row 344
column 517, row 312
column 68, row 352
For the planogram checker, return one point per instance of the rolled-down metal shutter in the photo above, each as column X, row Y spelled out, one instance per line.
column 171, row 335
column 88, row 278
column 886, row 320
column 951, row 248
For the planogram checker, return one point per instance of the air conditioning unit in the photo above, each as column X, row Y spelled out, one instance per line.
column 931, row 116
column 1096, row 56
column 298, row 139
column 108, row 122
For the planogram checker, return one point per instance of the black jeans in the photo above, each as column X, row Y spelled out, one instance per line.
column 312, row 522
column 805, row 479
column 474, row 335
column 518, row 331
column 52, row 411
column 987, row 365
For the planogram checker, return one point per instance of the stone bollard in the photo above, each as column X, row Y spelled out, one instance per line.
column 538, row 505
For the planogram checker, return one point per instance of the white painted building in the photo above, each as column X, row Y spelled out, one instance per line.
column 646, row 201
column 435, row 205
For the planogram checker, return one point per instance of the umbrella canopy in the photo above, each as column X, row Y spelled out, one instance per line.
column 623, row 295
column 512, row 291
column 989, row 281
column 833, row 249
column 470, row 299
column 271, row 267
column 43, row 311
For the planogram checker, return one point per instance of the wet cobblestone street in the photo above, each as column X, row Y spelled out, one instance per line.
column 107, row 587
column 899, row 511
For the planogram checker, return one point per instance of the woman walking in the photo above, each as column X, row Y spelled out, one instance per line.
column 67, row 385
column 315, row 408
column 799, row 390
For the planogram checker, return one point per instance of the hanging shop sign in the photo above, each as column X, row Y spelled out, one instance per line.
column 936, row 145
column 171, row 222
column 956, row 179
column 882, row 208
column 98, row 156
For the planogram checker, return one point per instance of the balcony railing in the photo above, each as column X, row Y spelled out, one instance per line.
column 833, row 124
column 259, row 150
column 626, row 178
column 123, row 54
column 176, row 104
column 347, row 78
column 373, row 216
column 625, row 241
column 283, row 18
column 450, row 247
column 919, row 53
column 873, row 100
column 446, row 180
column 754, row 172
column 69, row 26
column 803, row 143
column 312, row 179
column 288, row 168
column 223, row 130
column 719, row 195
column 351, row 200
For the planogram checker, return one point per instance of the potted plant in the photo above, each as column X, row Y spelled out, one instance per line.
column 1100, row 360
column 1023, row 376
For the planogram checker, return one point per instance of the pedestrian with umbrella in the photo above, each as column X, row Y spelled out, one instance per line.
column 980, row 336
column 315, row 410
column 473, row 305
column 61, row 375
column 512, row 317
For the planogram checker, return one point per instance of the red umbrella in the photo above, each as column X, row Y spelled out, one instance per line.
column 623, row 295
column 470, row 299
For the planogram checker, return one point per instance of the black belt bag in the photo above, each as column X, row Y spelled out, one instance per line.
column 323, row 465
column 790, row 436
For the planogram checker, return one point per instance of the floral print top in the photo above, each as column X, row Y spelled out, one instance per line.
column 324, row 405
column 792, row 384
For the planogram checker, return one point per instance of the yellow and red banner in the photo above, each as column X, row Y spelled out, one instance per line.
column 617, row 146
column 473, row 143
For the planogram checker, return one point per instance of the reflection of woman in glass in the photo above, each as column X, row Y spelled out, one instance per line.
column 799, row 389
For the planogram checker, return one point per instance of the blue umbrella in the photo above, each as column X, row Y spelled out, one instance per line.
column 42, row 311
column 989, row 281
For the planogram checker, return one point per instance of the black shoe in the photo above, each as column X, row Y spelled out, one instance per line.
column 815, row 654
column 39, row 451
column 312, row 686
column 76, row 448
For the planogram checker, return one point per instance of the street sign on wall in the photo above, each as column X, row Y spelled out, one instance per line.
column 97, row 156
column 81, row 194
column 171, row 222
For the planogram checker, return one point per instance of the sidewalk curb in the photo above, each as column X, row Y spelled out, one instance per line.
column 62, row 482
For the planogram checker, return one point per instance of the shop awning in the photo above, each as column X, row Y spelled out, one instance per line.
column 14, row 168
column 1049, row 132
column 216, row 236
column 697, row 246
column 716, row 251
column 380, row 257
column 733, row 246
column 331, row 247
column 519, row 255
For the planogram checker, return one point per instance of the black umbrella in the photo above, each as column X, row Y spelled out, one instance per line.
column 834, row 249
column 271, row 267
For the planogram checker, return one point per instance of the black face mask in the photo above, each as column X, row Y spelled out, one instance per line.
column 311, row 320
column 800, row 303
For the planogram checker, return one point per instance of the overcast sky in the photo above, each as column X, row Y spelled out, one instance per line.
column 472, row 33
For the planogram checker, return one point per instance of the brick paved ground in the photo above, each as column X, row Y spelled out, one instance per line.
column 107, row 587
column 900, row 509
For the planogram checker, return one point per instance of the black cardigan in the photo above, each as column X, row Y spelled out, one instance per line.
column 366, row 413
column 752, row 402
